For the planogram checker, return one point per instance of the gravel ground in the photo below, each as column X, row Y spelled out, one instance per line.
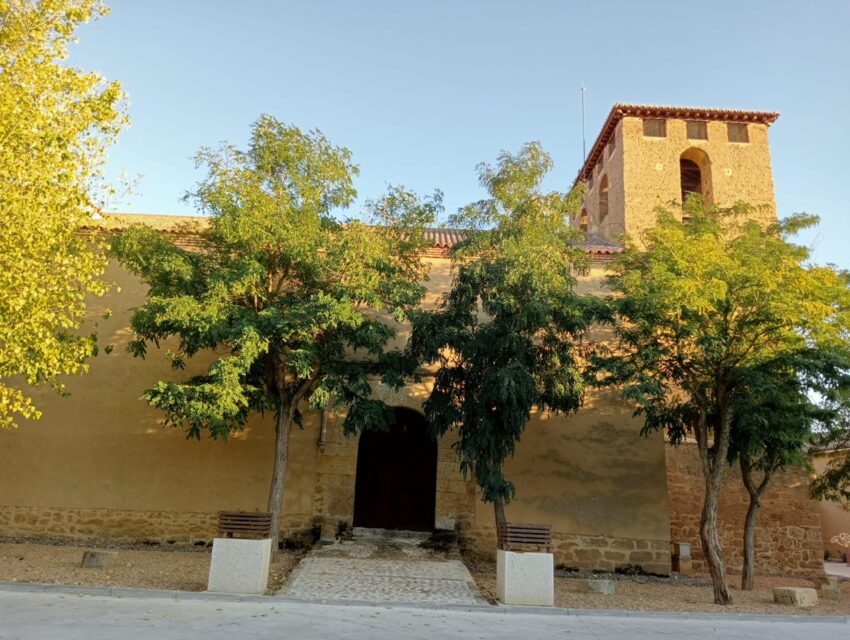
column 187, row 568
column 648, row 593
column 137, row 567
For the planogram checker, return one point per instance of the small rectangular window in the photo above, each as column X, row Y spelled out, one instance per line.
column 655, row 127
column 737, row 132
column 697, row 130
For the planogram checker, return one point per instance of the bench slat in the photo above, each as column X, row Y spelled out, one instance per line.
column 245, row 523
column 521, row 534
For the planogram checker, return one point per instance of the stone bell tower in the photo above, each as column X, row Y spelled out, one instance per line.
column 648, row 156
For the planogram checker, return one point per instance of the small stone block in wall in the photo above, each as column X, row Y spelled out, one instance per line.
column 239, row 566
column 98, row 559
column 795, row 596
column 682, row 565
column 605, row 587
column 525, row 578
column 682, row 549
column 329, row 531
column 829, row 588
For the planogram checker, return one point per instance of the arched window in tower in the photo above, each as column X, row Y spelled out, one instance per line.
column 582, row 221
column 691, row 178
column 695, row 175
column 603, row 199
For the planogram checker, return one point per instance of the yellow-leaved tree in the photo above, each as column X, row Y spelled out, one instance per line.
column 55, row 124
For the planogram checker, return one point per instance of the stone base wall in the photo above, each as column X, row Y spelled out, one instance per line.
column 788, row 534
column 587, row 552
column 115, row 525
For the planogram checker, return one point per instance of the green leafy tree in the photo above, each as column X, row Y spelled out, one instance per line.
column 289, row 298
column 506, row 335
column 699, row 304
column 833, row 483
column 779, row 406
column 55, row 123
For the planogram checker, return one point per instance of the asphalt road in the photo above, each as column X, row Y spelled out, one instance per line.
column 65, row 616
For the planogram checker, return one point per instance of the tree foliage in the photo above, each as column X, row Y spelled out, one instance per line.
column 55, row 123
column 289, row 298
column 506, row 335
column 700, row 306
column 833, row 436
column 779, row 407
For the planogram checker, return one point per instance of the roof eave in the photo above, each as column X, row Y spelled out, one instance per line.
column 621, row 110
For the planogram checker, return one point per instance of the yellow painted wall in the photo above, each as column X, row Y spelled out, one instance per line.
column 103, row 447
column 99, row 464
column 835, row 516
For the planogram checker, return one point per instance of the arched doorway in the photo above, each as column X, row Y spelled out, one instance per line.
column 396, row 485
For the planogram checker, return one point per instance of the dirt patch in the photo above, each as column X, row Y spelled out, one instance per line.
column 650, row 593
column 136, row 567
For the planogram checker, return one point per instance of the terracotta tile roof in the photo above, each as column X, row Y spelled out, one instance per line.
column 620, row 110
column 158, row 222
column 441, row 239
column 444, row 238
column 601, row 246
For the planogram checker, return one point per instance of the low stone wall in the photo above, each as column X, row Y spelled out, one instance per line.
column 788, row 536
column 126, row 526
column 588, row 552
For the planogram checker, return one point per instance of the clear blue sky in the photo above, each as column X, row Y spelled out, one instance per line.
column 423, row 91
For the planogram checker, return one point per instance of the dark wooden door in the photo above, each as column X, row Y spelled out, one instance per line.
column 396, row 482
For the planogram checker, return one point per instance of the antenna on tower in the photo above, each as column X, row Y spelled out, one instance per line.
column 583, row 141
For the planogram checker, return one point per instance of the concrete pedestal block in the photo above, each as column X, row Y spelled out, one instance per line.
column 795, row 596
column 680, row 558
column 239, row 566
column 525, row 578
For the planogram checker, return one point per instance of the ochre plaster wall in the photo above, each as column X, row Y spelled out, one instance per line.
column 98, row 464
column 102, row 447
column 788, row 535
column 597, row 481
column 835, row 516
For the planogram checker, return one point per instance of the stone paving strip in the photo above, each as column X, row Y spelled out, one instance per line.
column 444, row 582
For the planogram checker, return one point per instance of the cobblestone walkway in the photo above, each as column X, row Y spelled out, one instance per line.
column 381, row 569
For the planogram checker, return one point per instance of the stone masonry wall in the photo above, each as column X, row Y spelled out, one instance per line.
column 788, row 535
column 588, row 552
column 117, row 525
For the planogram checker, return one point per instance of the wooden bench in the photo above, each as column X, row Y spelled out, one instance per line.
column 247, row 524
column 513, row 535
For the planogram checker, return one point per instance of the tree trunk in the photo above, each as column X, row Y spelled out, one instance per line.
column 748, row 570
column 713, row 464
column 499, row 511
column 710, row 540
column 281, row 461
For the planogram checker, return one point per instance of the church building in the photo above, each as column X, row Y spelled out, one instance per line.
column 99, row 466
